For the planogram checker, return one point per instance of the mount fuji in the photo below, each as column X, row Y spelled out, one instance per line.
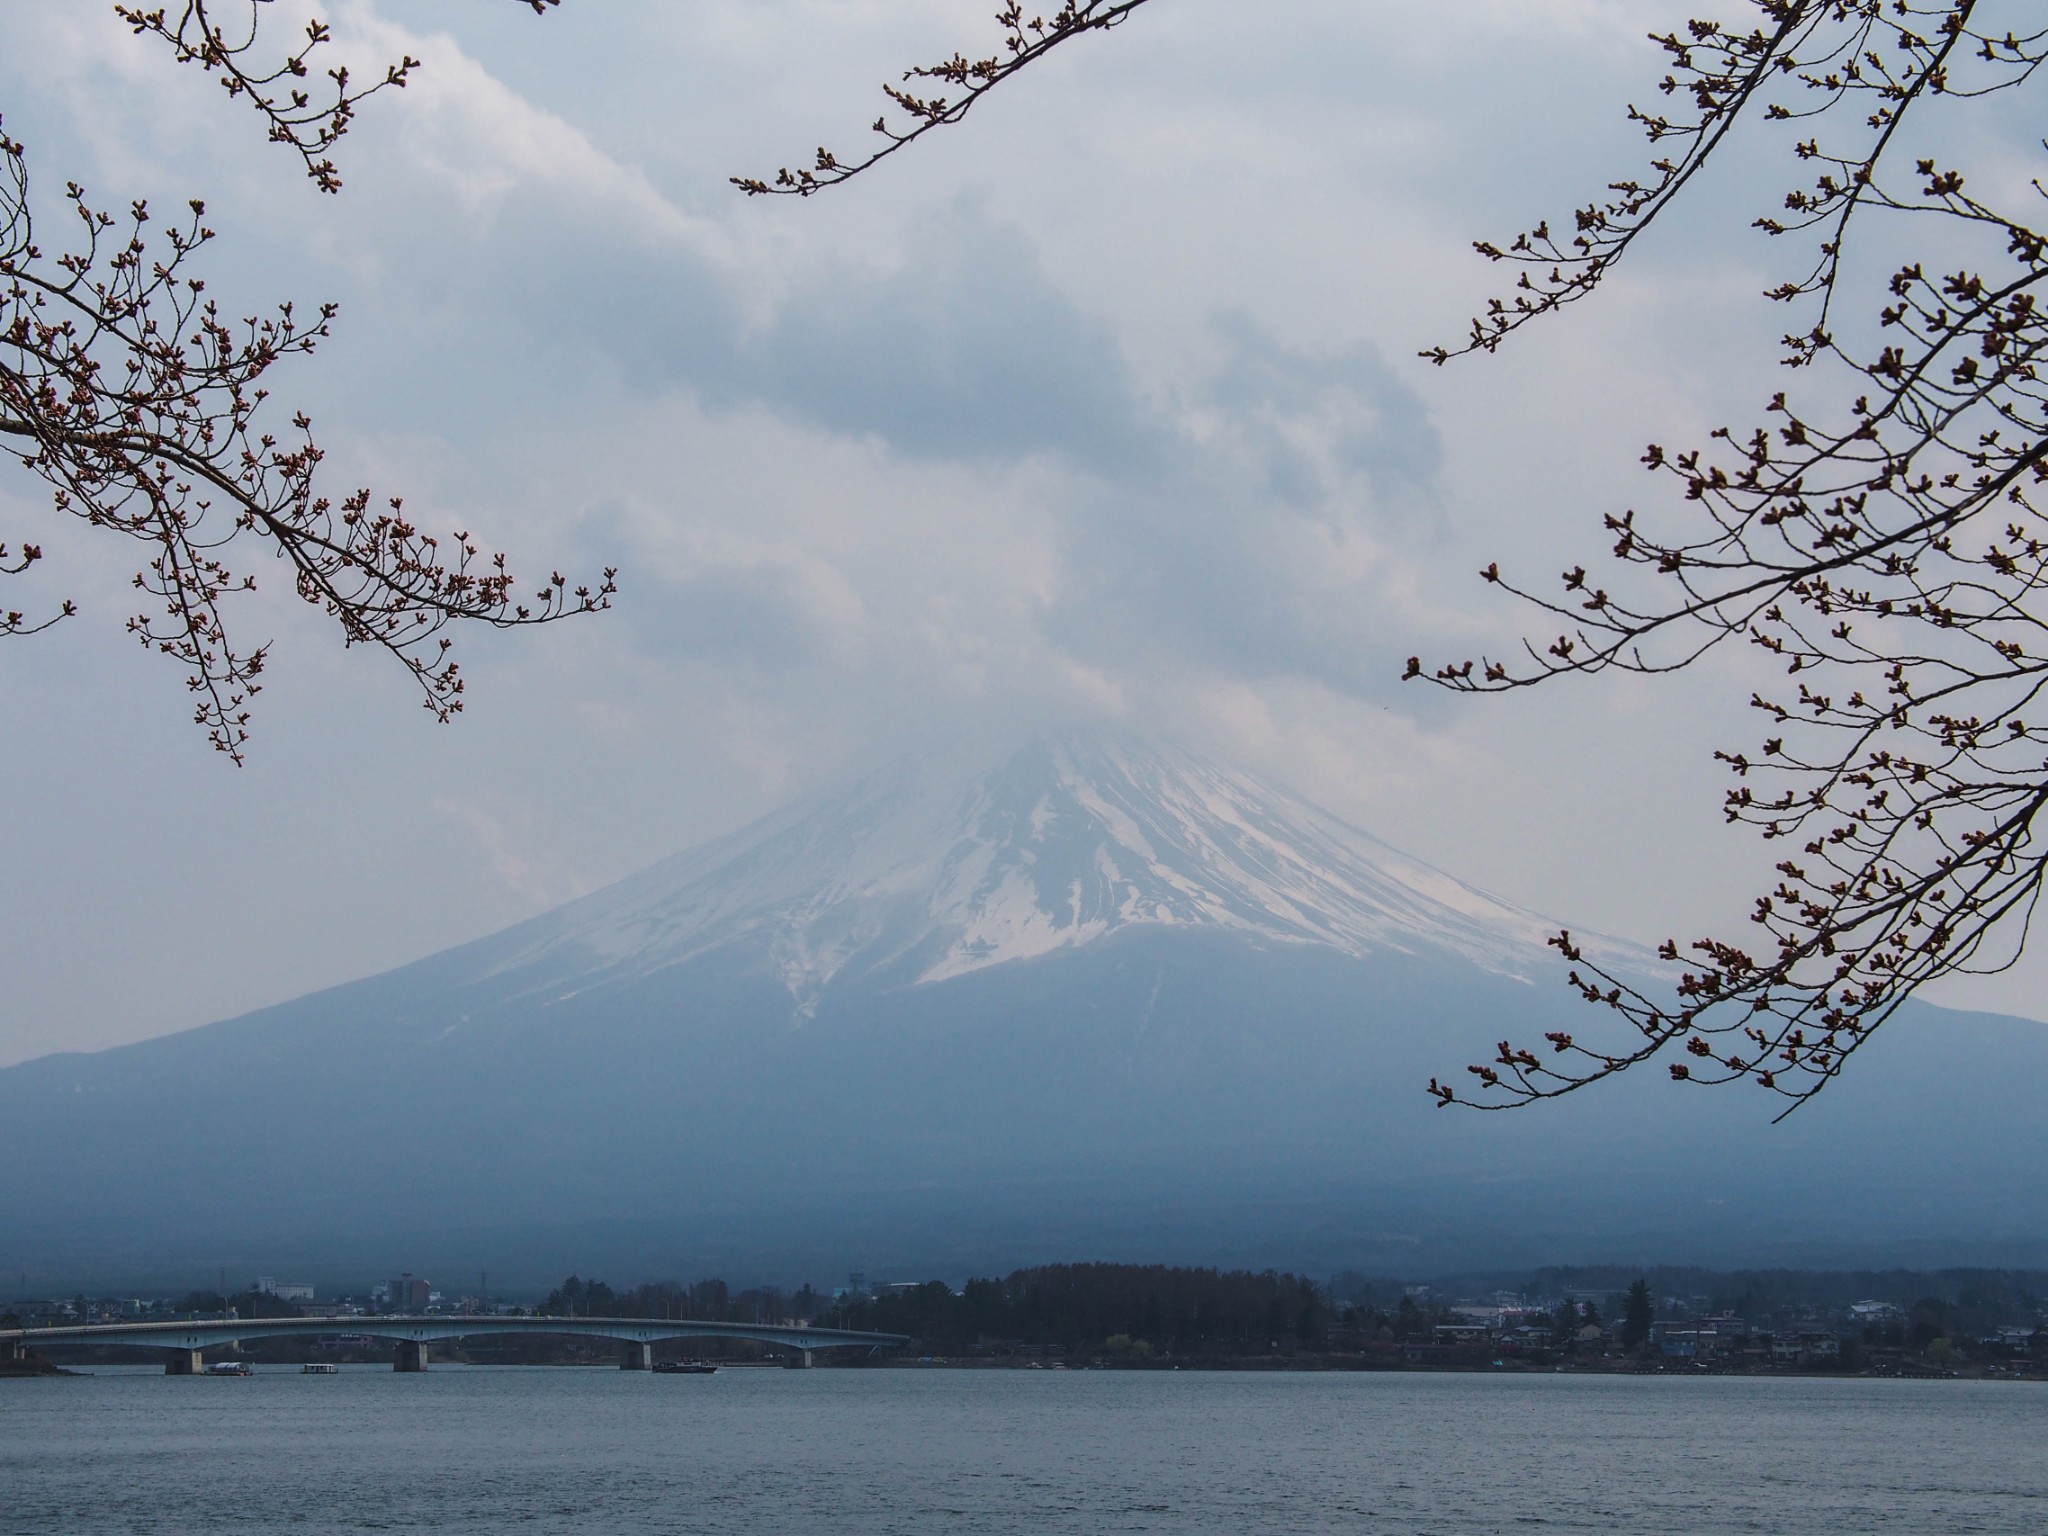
column 1102, row 999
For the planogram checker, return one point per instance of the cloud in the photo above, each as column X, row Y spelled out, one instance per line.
column 1325, row 420
column 958, row 349
column 712, row 594
column 964, row 350
column 1278, row 540
column 1255, row 516
column 503, row 832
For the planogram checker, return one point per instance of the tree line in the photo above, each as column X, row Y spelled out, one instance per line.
column 1138, row 1309
column 1132, row 1310
column 1074, row 1307
column 711, row 1301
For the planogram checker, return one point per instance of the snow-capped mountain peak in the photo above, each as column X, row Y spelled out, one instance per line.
column 925, row 875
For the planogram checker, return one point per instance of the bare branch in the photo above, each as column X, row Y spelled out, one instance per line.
column 1885, row 553
column 1024, row 42
column 127, row 389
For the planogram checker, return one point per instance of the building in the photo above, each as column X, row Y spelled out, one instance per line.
column 1690, row 1342
column 409, row 1293
column 286, row 1290
column 1804, row 1346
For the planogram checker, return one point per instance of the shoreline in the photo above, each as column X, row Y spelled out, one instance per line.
column 34, row 1368
column 43, row 1369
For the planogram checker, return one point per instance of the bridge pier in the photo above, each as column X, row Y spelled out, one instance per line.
column 411, row 1357
column 17, row 1349
column 636, row 1357
column 184, row 1362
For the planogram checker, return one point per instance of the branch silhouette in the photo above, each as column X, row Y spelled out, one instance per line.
column 144, row 405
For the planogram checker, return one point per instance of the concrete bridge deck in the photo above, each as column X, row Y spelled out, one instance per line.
column 185, row 1340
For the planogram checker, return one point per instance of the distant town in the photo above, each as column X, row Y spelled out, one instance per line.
column 1950, row 1323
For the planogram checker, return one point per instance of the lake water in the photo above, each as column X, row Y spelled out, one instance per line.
column 471, row 1449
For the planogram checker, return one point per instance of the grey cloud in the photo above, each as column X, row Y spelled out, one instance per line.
column 1180, row 545
column 1375, row 425
column 1220, row 561
column 967, row 351
column 754, row 612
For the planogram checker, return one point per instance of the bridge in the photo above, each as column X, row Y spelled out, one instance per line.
column 185, row 1342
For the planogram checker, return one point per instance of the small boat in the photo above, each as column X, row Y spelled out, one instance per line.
column 320, row 1368
column 229, row 1368
column 685, row 1368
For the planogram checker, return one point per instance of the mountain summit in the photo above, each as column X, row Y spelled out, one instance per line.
column 1102, row 1000
column 914, row 876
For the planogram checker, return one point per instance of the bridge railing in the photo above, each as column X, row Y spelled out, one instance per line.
column 199, row 1332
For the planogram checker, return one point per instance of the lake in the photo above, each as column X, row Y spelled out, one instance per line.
column 544, row 1450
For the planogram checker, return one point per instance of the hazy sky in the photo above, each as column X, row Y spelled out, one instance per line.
column 1103, row 406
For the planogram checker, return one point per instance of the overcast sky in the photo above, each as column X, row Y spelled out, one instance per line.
column 1101, row 407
